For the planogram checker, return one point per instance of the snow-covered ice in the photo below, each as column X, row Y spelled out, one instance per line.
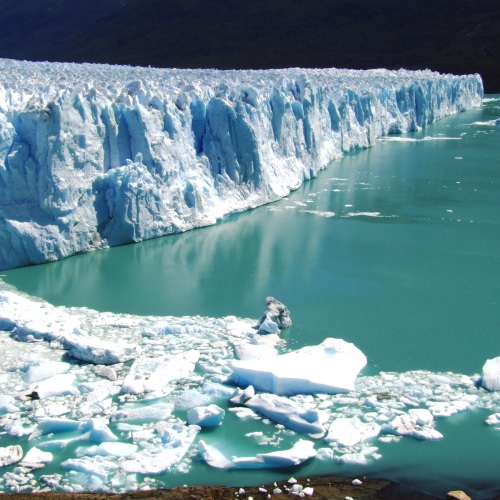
column 94, row 156
column 300, row 452
column 330, row 367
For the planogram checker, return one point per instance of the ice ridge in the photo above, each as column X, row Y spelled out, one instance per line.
column 93, row 156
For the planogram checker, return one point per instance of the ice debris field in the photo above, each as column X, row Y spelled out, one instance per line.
column 112, row 402
column 93, row 156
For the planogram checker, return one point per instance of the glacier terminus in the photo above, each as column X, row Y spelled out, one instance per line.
column 93, row 156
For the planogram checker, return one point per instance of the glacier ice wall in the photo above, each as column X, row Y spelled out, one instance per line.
column 94, row 156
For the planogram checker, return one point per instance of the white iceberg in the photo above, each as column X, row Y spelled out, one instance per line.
column 286, row 412
column 176, row 439
column 206, row 416
column 45, row 370
column 36, row 458
column 153, row 374
column 351, row 431
column 329, row 367
column 491, row 374
column 10, row 455
column 300, row 452
column 417, row 423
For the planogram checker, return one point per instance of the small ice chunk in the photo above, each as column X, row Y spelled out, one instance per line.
column 407, row 425
column 493, row 419
column 325, row 454
column 282, row 410
column 58, row 385
column 491, row 374
column 213, row 456
column 100, row 352
column 94, row 466
column 176, row 440
column 54, row 425
column 206, row 416
column 153, row 374
column 7, row 404
column 43, row 371
column 36, row 458
column 105, row 371
column 356, row 482
column 190, row 399
column 137, row 412
column 218, row 391
column 10, row 455
column 351, row 431
column 268, row 326
column 115, row 449
column 98, row 430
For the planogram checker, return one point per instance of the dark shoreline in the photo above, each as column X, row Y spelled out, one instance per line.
column 325, row 488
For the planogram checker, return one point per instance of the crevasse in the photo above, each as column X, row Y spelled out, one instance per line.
column 93, row 156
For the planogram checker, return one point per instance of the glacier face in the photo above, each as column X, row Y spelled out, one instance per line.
column 94, row 156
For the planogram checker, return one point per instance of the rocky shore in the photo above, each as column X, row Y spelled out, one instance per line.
column 320, row 488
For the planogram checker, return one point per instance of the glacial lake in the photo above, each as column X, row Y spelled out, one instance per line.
column 394, row 248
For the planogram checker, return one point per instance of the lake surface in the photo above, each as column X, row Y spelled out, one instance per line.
column 395, row 249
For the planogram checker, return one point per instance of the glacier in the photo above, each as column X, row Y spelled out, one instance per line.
column 93, row 156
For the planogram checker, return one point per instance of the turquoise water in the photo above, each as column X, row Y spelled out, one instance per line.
column 407, row 269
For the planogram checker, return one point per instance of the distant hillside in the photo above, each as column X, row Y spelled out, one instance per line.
column 457, row 36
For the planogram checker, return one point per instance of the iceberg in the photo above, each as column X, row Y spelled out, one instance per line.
column 329, row 367
column 491, row 374
column 283, row 411
column 93, row 156
column 300, row 452
column 206, row 416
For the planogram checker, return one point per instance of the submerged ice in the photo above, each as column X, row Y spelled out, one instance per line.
column 122, row 424
column 94, row 156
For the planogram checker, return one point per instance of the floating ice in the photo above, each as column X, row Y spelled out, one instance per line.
column 351, row 431
column 114, row 449
column 45, row 370
column 283, row 411
column 7, row 404
column 176, row 439
column 109, row 436
column 330, row 367
column 416, row 423
column 153, row 374
column 301, row 451
column 133, row 412
column 144, row 152
column 10, row 455
column 206, row 416
column 491, row 374
column 36, row 458
column 58, row 385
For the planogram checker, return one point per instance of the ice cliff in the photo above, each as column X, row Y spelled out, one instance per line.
column 94, row 156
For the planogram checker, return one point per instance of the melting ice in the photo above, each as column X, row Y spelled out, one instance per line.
column 93, row 156
column 123, row 416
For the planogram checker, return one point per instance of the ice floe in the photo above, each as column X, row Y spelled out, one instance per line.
column 330, row 367
column 121, row 427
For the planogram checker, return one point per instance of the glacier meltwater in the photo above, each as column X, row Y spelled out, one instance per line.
column 93, row 156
